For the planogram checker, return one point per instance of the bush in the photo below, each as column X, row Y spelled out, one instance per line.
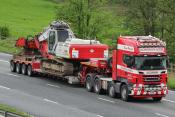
column 4, row 32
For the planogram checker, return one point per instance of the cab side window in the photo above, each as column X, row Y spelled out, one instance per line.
column 128, row 60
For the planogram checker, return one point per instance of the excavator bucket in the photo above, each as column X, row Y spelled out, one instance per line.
column 21, row 42
column 25, row 43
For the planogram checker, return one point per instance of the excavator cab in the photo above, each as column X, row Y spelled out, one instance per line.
column 57, row 37
column 58, row 34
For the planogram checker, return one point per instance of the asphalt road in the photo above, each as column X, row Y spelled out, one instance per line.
column 49, row 97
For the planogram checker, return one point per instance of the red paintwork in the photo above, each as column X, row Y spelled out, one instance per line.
column 21, row 42
column 87, row 51
column 114, row 65
column 132, row 41
column 98, row 63
column 42, row 47
column 36, row 65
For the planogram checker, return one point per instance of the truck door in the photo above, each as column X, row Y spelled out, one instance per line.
column 128, row 61
column 51, row 41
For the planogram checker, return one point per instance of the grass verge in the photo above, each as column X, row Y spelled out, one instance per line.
column 171, row 80
column 13, row 110
column 26, row 17
column 8, row 46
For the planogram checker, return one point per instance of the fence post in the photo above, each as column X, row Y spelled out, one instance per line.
column 6, row 113
column 171, row 67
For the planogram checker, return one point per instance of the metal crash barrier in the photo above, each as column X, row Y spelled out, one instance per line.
column 8, row 114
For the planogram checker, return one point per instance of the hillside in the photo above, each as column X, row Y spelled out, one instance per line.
column 31, row 16
column 24, row 17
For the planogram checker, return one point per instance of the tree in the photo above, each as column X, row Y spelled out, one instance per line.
column 166, row 9
column 86, row 16
column 142, row 16
column 153, row 17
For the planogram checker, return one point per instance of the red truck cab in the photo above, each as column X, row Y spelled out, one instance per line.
column 141, row 63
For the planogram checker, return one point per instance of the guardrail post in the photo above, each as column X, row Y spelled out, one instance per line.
column 6, row 113
column 171, row 67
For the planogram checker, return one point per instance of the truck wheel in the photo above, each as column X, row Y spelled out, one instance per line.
column 18, row 68
column 124, row 93
column 24, row 69
column 89, row 86
column 112, row 92
column 97, row 86
column 12, row 66
column 29, row 70
column 157, row 99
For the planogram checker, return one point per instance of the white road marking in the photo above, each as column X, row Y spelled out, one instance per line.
column 100, row 116
column 13, row 75
column 162, row 115
column 4, row 87
column 4, row 61
column 47, row 100
column 106, row 100
column 169, row 100
column 53, row 85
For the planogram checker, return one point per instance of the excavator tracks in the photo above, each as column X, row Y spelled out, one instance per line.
column 57, row 67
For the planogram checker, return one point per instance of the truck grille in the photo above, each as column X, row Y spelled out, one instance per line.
column 151, row 78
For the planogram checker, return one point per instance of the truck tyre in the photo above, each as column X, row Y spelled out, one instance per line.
column 24, row 69
column 29, row 70
column 89, row 85
column 97, row 86
column 157, row 99
column 18, row 68
column 12, row 66
column 124, row 93
column 111, row 91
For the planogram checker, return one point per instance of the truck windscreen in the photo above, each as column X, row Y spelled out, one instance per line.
column 150, row 63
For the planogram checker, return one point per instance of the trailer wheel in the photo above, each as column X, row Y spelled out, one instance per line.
column 157, row 99
column 124, row 93
column 112, row 92
column 29, row 70
column 18, row 68
column 12, row 66
column 89, row 86
column 24, row 69
column 97, row 86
